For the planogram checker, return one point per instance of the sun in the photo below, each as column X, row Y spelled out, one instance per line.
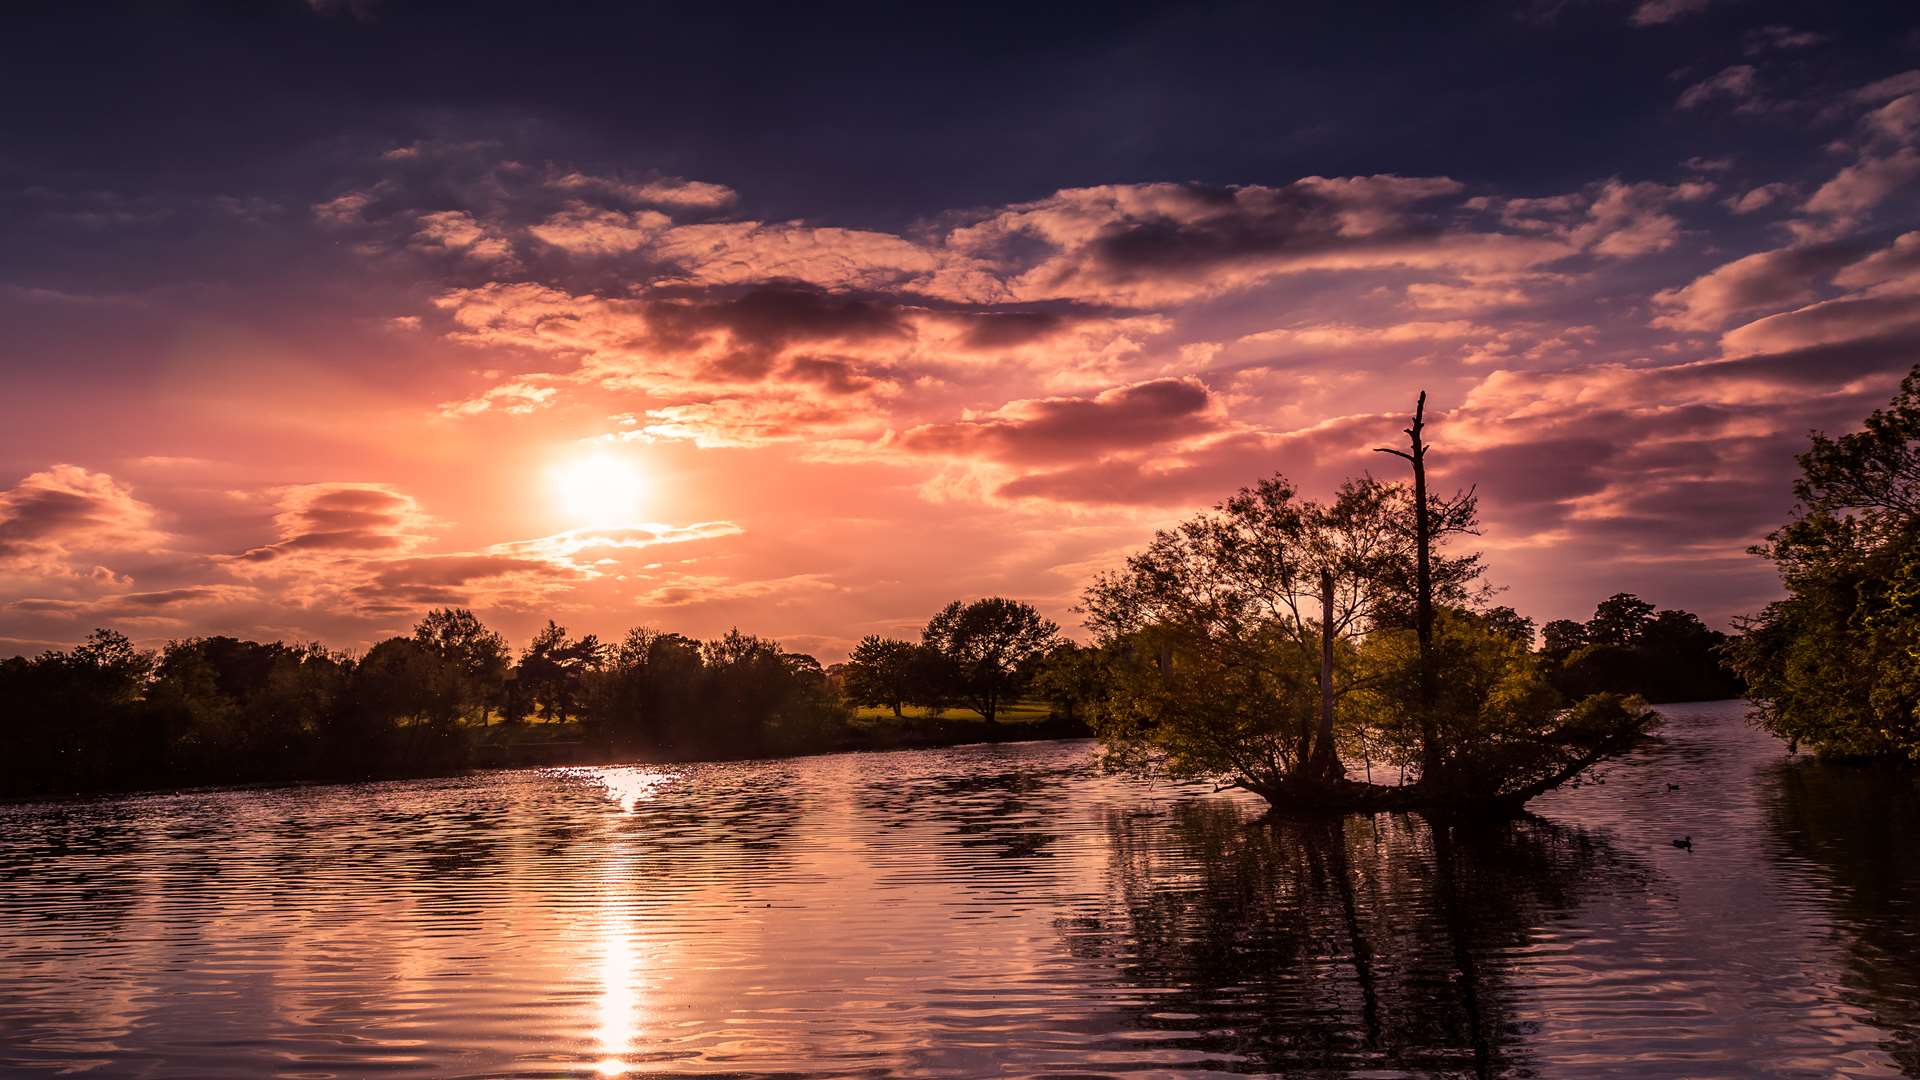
column 600, row 490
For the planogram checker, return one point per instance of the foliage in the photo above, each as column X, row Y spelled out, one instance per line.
column 1240, row 604
column 1503, row 728
column 220, row 710
column 1069, row 679
column 1273, row 644
column 885, row 671
column 987, row 646
column 553, row 670
column 1630, row 647
column 1835, row 666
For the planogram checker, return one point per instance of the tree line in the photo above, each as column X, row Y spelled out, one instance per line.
column 107, row 715
column 1631, row 647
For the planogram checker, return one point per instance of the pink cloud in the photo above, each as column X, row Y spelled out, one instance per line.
column 56, row 521
column 1123, row 418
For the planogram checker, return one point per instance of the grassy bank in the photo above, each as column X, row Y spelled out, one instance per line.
column 536, row 743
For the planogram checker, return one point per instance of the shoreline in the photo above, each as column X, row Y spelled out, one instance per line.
column 521, row 752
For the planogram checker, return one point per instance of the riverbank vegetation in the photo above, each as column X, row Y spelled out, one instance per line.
column 1835, row 666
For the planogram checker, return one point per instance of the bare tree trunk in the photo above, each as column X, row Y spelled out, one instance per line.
column 1326, row 759
column 1423, row 590
column 1423, row 595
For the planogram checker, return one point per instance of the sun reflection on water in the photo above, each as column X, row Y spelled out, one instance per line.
column 621, row 965
column 629, row 787
column 619, row 998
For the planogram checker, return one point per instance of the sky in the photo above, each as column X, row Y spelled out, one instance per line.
column 807, row 321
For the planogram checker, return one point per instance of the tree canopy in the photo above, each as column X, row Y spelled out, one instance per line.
column 1835, row 666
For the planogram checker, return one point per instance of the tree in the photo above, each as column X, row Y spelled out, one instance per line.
column 882, row 672
column 479, row 655
column 1501, row 731
column 1560, row 637
column 1620, row 619
column 1835, row 666
column 1510, row 623
column 553, row 671
column 1228, row 642
column 1069, row 678
column 1432, row 520
column 988, row 642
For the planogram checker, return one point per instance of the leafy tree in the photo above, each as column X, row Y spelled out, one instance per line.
column 1069, row 678
column 1834, row 665
column 553, row 671
column 1560, row 637
column 1219, row 663
column 882, row 671
column 1504, row 733
column 1509, row 623
column 1620, row 619
column 988, row 642
column 479, row 655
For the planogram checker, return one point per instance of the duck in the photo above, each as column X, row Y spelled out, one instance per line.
column 1685, row 843
column 1673, row 787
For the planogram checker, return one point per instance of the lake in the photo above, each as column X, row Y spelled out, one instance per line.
column 992, row 910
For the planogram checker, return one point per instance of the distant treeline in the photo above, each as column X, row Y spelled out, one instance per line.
column 108, row 716
column 1628, row 647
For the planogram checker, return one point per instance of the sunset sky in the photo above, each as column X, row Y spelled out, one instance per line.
column 320, row 315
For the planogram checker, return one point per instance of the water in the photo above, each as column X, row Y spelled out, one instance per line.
column 977, row 911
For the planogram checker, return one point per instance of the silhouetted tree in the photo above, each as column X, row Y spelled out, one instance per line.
column 1069, row 678
column 1560, row 637
column 881, row 672
column 1509, row 623
column 988, row 642
column 478, row 654
column 1629, row 647
column 1620, row 619
column 553, row 671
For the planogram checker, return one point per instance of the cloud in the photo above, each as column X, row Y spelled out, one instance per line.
column 55, row 521
column 1739, row 84
column 331, row 518
column 1758, row 198
column 666, row 191
column 749, row 252
column 1613, row 218
column 1777, row 38
column 1660, row 12
column 583, row 549
column 586, row 230
column 515, row 399
column 1347, row 335
column 1134, row 417
column 1866, row 183
column 456, row 232
column 1765, row 279
column 1893, row 86
column 1166, row 243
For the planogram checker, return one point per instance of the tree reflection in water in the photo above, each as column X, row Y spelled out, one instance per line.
column 1334, row 947
column 1859, row 829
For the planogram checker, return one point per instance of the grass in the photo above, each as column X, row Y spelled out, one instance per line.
column 1016, row 712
